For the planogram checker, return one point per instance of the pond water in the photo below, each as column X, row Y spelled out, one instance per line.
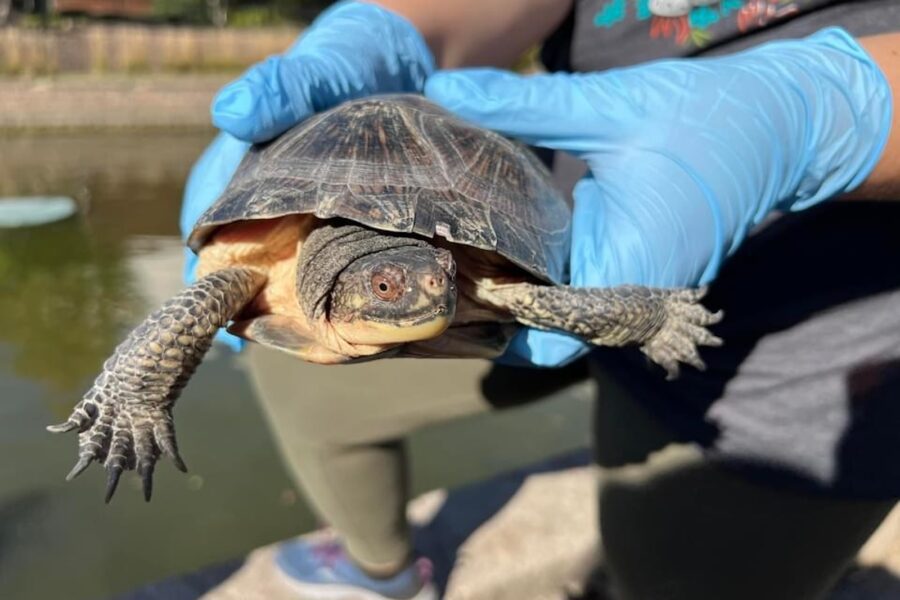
column 68, row 293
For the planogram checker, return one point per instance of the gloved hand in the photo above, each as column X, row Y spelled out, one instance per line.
column 351, row 50
column 686, row 156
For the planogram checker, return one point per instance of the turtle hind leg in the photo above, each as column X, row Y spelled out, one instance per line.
column 668, row 324
column 125, row 419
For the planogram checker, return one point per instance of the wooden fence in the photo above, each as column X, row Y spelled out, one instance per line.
column 136, row 49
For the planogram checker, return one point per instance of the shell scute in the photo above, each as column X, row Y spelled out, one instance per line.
column 400, row 163
column 454, row 217
column 376, row 206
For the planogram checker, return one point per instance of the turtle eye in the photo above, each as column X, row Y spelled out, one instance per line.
column 386, row 287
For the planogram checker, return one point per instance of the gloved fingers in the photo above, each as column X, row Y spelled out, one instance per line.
column 208, row 178
column 533, row 347
column 610, row 243
column 351, row 50
column 551, row 111
column 265, row 101
column 643, row 219
column 206, row 182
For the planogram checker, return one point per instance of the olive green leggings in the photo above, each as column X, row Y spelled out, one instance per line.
column 673, row 526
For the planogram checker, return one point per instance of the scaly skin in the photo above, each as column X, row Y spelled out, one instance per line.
column 667, row 323
column 125, row 419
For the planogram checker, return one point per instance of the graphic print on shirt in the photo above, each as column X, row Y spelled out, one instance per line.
column 698, row 22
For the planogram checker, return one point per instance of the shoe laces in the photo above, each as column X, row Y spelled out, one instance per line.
column 328, row 553
column 424, row 568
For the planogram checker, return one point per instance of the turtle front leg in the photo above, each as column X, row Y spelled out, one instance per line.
column 669, row 324
column 125, row 419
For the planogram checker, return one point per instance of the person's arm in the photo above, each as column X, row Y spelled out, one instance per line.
column 884, row 182
column 469, row 33
column 687, row 156
column 360, row 48
column 477, row 33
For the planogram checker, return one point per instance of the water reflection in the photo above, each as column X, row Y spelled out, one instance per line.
column 65, row 298
column 68, row 293
column 67, row 290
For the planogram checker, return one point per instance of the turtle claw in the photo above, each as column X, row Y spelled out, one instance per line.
column 83, row 462
column 665, row 357
column 179, row 464
column 146, row 473
column 83, row 416
column 123, row 437
column 683, row 331
column 62, row 427
column 112, row 481
column 165, row 439
column 673, row 370
column 125, row 419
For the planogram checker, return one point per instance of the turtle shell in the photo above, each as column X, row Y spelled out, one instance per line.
column 399, row 163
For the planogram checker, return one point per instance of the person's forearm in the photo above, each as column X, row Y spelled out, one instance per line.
column 469, row 33
column 884, row 182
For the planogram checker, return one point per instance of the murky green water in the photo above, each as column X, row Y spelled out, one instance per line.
column 68, row 293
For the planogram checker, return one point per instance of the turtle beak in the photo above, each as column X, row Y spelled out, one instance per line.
column 402, row 296
column 437, row 292
column 427, row 315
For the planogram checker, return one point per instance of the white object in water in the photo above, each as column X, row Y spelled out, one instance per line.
column 28, row 211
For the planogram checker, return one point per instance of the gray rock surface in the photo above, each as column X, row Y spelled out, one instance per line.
column 538, row 544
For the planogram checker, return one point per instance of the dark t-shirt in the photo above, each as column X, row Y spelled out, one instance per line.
column 806, row 389
column 602, row 34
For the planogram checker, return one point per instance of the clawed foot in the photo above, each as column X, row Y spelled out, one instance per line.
column 683, row 330
column 125, row 420
column 122, row 436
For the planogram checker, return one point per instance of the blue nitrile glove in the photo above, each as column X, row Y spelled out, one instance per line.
column 206, row 182
column 351, row 50
column 686, row 156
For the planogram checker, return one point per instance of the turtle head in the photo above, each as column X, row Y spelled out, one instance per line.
column 396, row 295
column 365, row 291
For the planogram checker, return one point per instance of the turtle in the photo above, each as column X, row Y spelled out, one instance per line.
column 382, row 227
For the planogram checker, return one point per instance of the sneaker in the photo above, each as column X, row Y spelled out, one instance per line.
column 321, row 569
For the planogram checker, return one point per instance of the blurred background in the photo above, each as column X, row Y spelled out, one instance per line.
column 106, row 103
